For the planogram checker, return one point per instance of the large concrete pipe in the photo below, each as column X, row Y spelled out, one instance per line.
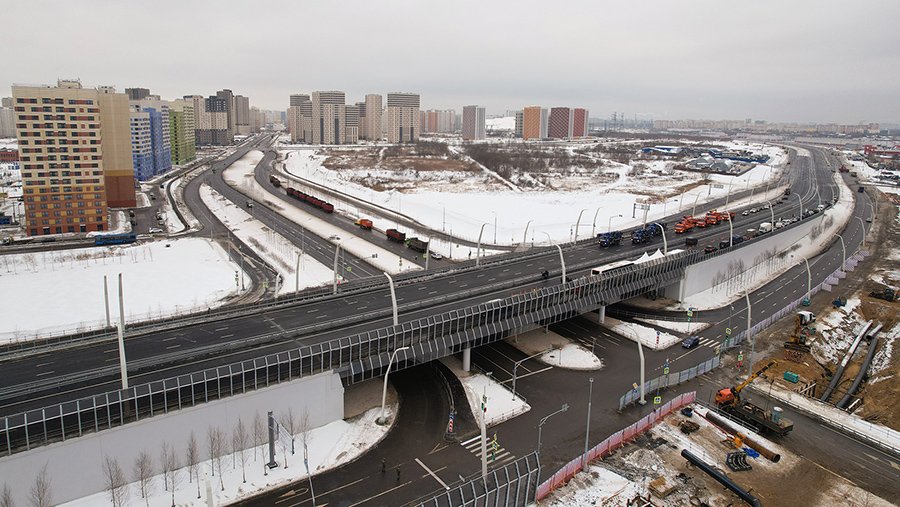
column 753, row 444
column 721, row 478
column 873, row 345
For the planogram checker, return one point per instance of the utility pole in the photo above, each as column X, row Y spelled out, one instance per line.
column 123, row 365
column 106, row 300
column 587, row 432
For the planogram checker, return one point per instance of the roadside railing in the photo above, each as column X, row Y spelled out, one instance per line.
column 665, row 381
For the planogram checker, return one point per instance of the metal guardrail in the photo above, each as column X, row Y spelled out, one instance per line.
column 356, row 358
column 512, row 485
column 665, row 381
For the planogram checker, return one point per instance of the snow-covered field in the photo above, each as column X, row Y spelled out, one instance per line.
column 328, row 447
column 63, row 290
column 502, row 123
column 677, row 326
column 553, row 349
column 462, row 202
column 501, row 404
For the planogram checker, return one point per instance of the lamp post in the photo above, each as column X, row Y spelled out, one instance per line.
column 642, row 401
column 772, row 211
column 381, row 420
column 665, row 243
column 525, row 236
column 518, row 363
column 495, row 226
column 808, row 279
column 577, row 225
column 565, row 406
column 337, row 250
column 694, row 209
column 478, row 248
column 863, row 226
column 594, row 223
column 728, row 195
column 562, row 260
column 587, row 432
column 799, row 200
column 609, row 225
column 393, row 296
column 749, row 321
column 843, row 253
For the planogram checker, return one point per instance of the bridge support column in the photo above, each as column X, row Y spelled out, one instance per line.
column 467, row 359
column 601, row 314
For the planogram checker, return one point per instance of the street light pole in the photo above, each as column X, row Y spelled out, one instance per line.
column 642, row 401
column 518, row 363
column 594, row 223
column 749, row 321
column 393, row 296
column 808, row 279
column 587, row 432
column 577, row 225
column 337, row 250
column 694, row 209
column 863, row 225
column 843, row 253
column 562, row 260
column 478, row 248
column 728, row 195
column 799, row 200
column 381, row 420
column 565, row 406
column 495, row 227
column 609, row 224
column 525, row 236
column 665, row 243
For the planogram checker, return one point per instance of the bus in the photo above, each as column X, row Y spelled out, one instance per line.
column 612, row 268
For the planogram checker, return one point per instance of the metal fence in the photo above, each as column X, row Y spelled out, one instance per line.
column 672, row 379
column 614, row 441
column 358, row 357
column 512, row 485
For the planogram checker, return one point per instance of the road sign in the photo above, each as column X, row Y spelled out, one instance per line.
column 727, row 331
column 666, row 370
column 634, row 385
column 718, row 185
column 690, row 313
column 657, row 337
column 484, row 403
column 657, row 400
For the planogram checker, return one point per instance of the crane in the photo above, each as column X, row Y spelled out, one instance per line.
column 729, row 396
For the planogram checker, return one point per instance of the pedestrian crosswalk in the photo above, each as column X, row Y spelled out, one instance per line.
column 707, row 342
column 499, row 454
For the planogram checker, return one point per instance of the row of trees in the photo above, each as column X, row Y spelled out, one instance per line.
column 515, row 159
column 171, row 466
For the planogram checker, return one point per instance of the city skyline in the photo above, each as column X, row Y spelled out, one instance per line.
column 797, row 63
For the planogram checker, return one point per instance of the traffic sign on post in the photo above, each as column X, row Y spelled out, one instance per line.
column 666, row 370
column 657, row 400
column 727, row 331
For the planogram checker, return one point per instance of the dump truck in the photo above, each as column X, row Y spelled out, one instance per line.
column 417, row 245
column 728, row 400
column 364, row 223
column 610, row 238
column 887, row 294
column 274, row 181
column 395, row 235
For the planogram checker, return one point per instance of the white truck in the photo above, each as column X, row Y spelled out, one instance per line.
column 765, row 227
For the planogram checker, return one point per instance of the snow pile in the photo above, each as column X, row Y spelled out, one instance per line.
column 501, row 403
column 274, row 248
column 557, row 350
column 648, row 337
column 67, row 285
column 328, row 447
column 600, row 487
column 240, row 176
column 836, row 331
column 882, row 359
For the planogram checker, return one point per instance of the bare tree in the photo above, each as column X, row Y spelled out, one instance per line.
column 40, row 495
column 193, row 458
column 171, row 466
column 114, row 481
column 239, row 441
column 304, row 428
column 258, row 432
column 215, row 441
column 164, row 463
column 143, row 474
column 6, row 497
column 289, row 421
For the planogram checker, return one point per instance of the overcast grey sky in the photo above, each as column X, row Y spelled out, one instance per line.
column 783, row 60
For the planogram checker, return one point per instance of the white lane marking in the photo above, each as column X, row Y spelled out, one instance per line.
column 432, row 474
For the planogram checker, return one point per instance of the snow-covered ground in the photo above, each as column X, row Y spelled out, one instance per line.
column 462, row 202
column 274, row 248
column 600, row 486
column 556, row 350
column 328, row 447
column 67, row 285
column 677, row 326
column 649, row 337
column 240, row 176
column 501, row 404
column 502, row 123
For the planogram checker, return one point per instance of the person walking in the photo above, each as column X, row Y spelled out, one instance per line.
column 383, row 469
column 398, row 474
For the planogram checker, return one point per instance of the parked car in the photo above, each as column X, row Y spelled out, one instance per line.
column 436, row 256
column 690, row 342
column 155, row 230
column 746, row 212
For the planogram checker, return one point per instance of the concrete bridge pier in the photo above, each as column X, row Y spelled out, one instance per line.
column 601, row 314
column 467, row 359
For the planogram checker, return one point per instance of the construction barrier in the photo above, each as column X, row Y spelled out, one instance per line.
column 614, row 441
column 664, row 381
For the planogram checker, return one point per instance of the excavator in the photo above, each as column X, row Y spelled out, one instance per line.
column 729, row 401
column 803, row 330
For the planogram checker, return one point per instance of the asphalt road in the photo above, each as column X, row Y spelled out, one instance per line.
column 449, row 291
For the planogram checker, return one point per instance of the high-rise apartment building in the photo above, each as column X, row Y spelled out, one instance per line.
column 520, row 123
column 579, row 122
column 473, row 123
column 560, row 126
column 75, row 146
column 227, row 97
column 298, row 98
column 7, row 119
column 137, row 93
column 150, row 135
column 329, row 120
column 241, row 115
column 299, row 102
column 372, row 118
column 181, row 131
column 534, row 122
column 402, row 117
column 256, row 120
column 211, row 120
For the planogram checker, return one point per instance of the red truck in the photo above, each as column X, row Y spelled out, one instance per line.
column 395, row 235
column 364, row 223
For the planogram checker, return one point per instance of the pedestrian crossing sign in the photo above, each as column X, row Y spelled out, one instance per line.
column 657, row 400
column 727, row 331
column 666, row 370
